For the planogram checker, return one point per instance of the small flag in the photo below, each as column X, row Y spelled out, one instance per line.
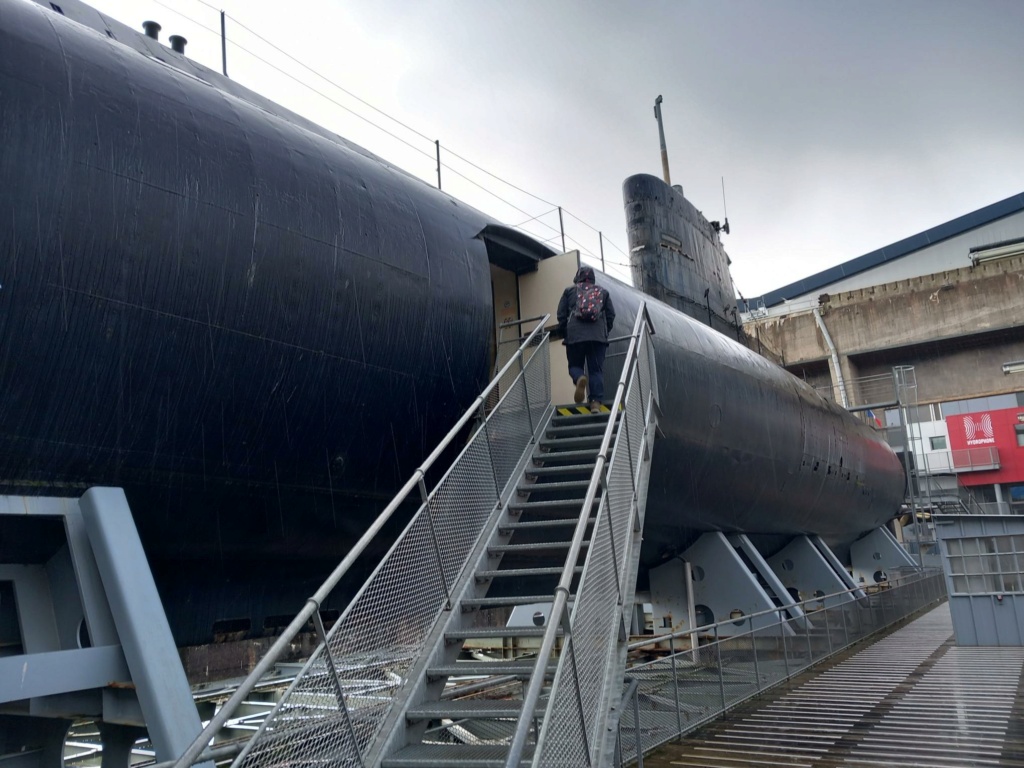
column 871, row 415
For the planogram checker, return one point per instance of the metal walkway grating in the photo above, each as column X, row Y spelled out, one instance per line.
column 910, row 699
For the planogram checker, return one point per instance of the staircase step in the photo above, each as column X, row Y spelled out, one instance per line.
column 560, row 419
column 468, row 709
column 547, row 504
column 504, row 602
column 561, row 485
column 581, row 410
column 559, row 457
column 522, row 572
column 561, row 522
column 540, row 546
column 561, row 471
column 494, row 633
column 570, row 443
column 454, row 756
column 574, row 428
column 488, row 669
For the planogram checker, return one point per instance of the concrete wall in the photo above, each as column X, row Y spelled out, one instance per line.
column 956, row 327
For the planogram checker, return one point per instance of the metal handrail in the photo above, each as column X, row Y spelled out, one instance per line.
column 920, row 573
column 312, row 605
column 559, row 614
column 652, row 726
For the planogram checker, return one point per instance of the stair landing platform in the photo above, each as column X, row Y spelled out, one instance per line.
column 911, row 698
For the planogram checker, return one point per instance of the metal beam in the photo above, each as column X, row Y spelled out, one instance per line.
column 163, row 690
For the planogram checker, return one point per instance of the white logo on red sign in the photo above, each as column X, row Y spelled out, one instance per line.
column 978, row 429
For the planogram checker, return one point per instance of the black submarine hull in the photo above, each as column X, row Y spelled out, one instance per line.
column 259, row 330
column 748, row 447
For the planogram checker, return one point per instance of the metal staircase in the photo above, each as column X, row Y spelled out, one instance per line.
column 520, row 565
column 543, row 513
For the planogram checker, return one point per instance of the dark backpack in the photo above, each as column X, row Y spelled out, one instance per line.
column 589, row 303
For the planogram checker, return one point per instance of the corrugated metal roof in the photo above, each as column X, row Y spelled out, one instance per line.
column 894, row 251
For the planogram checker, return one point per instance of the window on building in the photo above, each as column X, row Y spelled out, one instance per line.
column 919, row 413
column 976, row 404
column 938, row 442
column 1020, row 434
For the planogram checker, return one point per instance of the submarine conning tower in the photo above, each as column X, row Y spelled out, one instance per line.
column 676, row 254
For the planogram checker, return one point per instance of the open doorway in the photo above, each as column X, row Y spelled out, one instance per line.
column 527, row 280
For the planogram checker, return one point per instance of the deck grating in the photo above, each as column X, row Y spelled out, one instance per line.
column 912, row 698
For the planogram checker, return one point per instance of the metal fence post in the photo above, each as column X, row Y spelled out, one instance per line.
column 675, row 686
column 721, row 672
column 437, row 544
column 807, row 636
column 526, row 391
column 785, row 650
column 846, row 629
column 339, row 691
column 757, row 669
column 636, row 726
column 828, row 631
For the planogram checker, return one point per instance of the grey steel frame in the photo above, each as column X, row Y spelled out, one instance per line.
column 352, row 726
column 709, row 680
column 579, row 703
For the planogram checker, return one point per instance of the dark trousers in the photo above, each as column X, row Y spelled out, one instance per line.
column 592, row 353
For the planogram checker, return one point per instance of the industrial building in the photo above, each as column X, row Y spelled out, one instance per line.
column 944, row 305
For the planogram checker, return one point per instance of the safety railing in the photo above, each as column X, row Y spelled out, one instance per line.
column 688, row 687
column 588, row 671
column 336, row 705
column 974, row 459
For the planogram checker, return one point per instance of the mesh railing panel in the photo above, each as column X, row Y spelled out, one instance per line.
column 307, row 725
column 720, row 674
column 538, row 383
column 461, row 504
column 573, row 725
column 508, row 431
column 383, row 632
column 580, row 679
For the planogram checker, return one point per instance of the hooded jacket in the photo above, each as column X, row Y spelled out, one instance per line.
column 576, row 330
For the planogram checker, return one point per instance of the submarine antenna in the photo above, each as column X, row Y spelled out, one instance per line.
column 223, row 44
column 661, row 135
column 725, row 210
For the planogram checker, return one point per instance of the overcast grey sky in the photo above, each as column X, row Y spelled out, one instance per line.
column 839, row 127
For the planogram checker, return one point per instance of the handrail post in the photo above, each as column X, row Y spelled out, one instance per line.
column 425, row 498
column 636, row 728
column 579, row 698
column 785, row 650
column 828, row 631
column 721, row 671
column 807, row 636
column 675, row 687
column 846, row 629
column 753, row 644
column 526, row 390
column 318, row 623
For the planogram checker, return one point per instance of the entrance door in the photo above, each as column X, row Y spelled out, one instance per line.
column 539, row 292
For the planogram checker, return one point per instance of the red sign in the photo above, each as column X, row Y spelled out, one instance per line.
column 992, row 433
column 978, row 429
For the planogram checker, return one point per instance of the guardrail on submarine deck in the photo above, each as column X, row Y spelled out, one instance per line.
column 677, row 693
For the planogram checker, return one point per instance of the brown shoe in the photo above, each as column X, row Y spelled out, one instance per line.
column 581, row 390
column 595, row 406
